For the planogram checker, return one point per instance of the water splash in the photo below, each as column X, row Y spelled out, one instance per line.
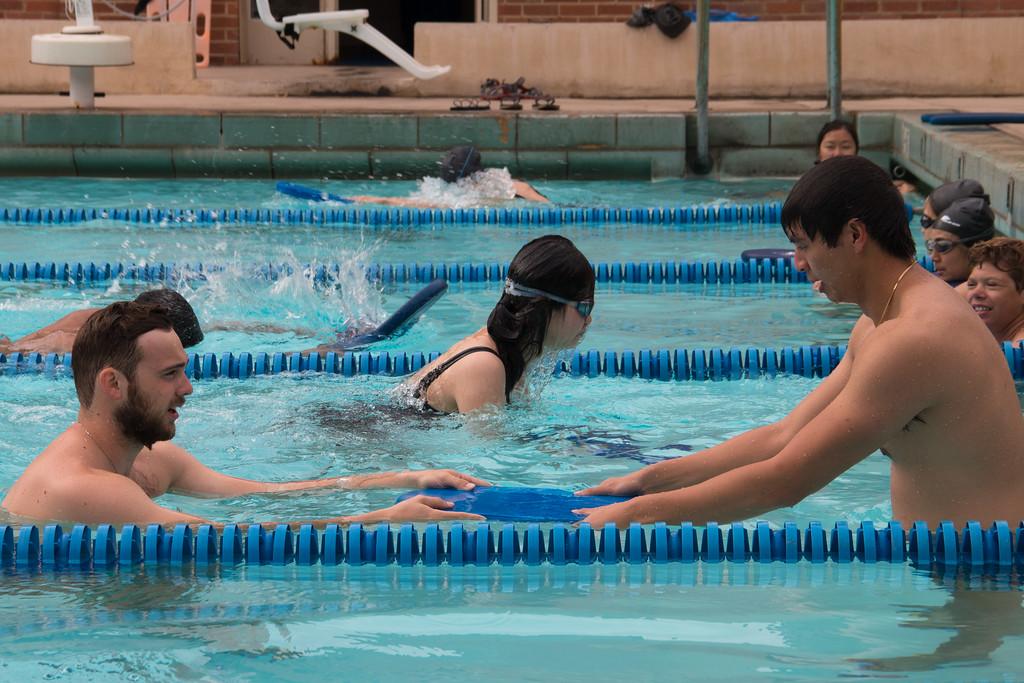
column 489, row 186
column 233, row 297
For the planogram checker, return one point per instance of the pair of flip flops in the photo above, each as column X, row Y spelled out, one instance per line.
column 669, row 18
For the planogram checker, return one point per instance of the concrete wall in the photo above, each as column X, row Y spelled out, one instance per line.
column 163, row 54
column 760, row 59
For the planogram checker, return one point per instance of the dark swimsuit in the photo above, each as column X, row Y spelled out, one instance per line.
column 431, row 377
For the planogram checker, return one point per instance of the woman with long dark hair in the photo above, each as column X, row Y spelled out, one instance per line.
column 545, row 305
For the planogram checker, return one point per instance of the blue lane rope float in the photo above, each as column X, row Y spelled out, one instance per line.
column 696, row 217
column 996, row 548
column 657, row 364
column 742, row 270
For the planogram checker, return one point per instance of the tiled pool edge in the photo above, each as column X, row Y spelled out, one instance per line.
column 532, row 144
column 938, row 154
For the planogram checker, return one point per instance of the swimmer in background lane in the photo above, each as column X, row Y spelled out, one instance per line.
column 947, row 239
column 129, row 369
column 58, row 337
column 944, row 195
column 462, row 176
column 995, row 287
column 921, row 381
column 545, row 305
column 838, row 138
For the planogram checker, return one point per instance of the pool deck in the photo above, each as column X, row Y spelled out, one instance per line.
column 320, row 122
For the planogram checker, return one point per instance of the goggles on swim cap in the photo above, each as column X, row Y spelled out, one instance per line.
column 516, row 289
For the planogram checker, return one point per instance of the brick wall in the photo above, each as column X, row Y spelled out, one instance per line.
column 619, row 10
column 224, row 37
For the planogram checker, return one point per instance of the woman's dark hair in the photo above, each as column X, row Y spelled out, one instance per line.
column 837, row 124
column 517, row 324
column 841, row 189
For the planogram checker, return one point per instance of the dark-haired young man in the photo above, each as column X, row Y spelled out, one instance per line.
column 58, row 337
column 108, row 466
column 921, row 381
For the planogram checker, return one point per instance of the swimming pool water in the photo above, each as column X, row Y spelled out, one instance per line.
column 707, row 622
column 233, row 307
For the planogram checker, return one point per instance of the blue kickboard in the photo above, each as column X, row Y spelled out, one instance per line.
column 309, row 193
column 518, row 504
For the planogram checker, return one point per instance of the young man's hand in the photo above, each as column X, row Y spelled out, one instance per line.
column 438, row 479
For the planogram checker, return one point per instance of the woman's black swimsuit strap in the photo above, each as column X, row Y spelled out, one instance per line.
column 431, row 377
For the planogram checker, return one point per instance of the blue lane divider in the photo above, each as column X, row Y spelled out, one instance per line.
column 656, row 272
column 697, row 217
column 997, row 547
column 661, row 364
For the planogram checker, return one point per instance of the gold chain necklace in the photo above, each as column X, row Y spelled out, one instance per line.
column 891, row 294
column 97, row 444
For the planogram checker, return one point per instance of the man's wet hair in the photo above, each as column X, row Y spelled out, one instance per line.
column 1004, row 253
column 109, row 338
column 182, row 316
column 842, row 189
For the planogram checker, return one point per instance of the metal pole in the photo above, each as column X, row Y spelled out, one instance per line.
column 834, row 46
column 703, row 162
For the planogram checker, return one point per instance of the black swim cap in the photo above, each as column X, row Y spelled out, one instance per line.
column 971, row 220
column 946, row 194
column 183, row 318
column 460, row 162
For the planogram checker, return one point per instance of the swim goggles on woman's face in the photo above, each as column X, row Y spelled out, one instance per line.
column 927, row 222
column 516, row 289
column 941, row 246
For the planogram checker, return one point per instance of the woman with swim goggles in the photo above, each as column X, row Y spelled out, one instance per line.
column 545, row 305
column 948, row 236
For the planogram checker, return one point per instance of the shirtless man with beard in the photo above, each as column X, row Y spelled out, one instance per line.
column 107, row 467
